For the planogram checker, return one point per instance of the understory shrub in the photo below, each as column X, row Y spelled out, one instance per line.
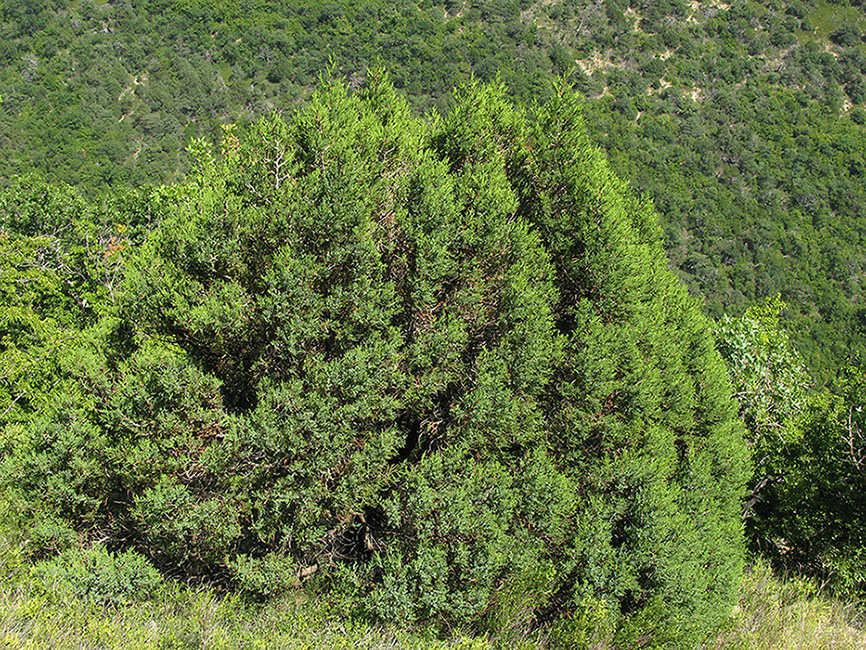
column 100, row 576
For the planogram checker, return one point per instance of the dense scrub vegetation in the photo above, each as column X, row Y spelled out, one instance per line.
column 809, row 448
column 437, row 371
column 434, row 370
column 43, row 612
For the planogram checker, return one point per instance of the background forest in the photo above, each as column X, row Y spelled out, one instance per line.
column 741, row 121
column 172, row 325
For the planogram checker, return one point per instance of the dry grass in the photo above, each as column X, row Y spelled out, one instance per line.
column 772, row 614
column 791, row 614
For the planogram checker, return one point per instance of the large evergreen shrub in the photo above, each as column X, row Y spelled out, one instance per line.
column 431, row 368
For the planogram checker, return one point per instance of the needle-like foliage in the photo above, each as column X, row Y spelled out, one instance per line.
column 429, row 368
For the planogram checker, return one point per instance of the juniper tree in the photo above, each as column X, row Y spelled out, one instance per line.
column 426, row 367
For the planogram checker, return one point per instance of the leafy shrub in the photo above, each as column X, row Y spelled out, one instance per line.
column 848, row 35
column 770, row 383
column 101, row 576
column 810, row 451
column 806, row 519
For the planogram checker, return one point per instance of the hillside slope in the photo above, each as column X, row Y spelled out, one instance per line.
column 743, row 122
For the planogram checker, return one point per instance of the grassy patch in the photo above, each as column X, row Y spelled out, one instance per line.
column 826, row 18
column 225, row 72
column 790, row 614
column 179, row 618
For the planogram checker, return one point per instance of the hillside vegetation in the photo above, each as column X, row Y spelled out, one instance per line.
column 395, row 362
column 742, row 121
column 431, row 371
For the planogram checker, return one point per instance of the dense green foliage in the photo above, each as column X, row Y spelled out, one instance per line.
column 46, row 609
column 809, row 449
column 438, row 371
column 435, row 369
column 42, row 609
column 743, row 121
column 809, row 517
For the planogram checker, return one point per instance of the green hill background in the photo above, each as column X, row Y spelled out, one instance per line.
column 742, row 121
